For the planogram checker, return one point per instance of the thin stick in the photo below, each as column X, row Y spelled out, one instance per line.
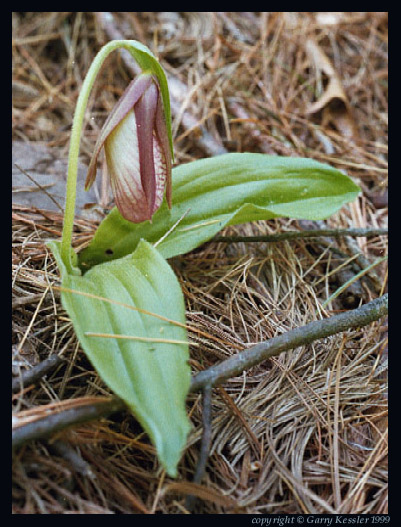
column 301, row 336
column 58, row 421
column 205, row 443
column 290, row 235
column 36, row 373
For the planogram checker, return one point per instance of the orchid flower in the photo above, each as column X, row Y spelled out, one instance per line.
column 136, row 146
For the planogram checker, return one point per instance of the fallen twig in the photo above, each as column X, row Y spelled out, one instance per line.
column 36, row 373
column 318, row 329
column 205, row 443
column 50, row 424
column 291, row 235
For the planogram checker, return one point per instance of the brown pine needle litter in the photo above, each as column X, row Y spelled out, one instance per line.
column 303, row 432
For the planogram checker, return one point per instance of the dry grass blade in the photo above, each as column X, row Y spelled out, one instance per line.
column 201, row 492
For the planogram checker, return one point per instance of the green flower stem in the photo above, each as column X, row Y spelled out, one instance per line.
column 71, row 189
column 146, row 61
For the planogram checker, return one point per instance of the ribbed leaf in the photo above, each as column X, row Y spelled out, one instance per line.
column 225, row 190
column 151, row 377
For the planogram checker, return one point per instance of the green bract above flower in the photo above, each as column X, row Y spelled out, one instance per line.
column 137, row 151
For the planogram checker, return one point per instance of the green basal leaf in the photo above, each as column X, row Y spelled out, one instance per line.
column 152, row 377
column 225, row 190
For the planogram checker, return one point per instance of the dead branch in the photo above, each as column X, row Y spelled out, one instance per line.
column 291, row 235
column 301, row 336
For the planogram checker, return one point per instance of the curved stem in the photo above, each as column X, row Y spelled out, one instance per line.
column 139, row 52
column 71, row 189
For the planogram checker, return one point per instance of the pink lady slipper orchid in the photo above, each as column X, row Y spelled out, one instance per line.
column 137, row 151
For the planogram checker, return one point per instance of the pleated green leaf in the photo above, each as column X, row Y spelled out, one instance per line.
column 225, row 190
column 150, row 374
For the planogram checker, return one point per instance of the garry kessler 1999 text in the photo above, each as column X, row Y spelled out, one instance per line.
column 335, row 519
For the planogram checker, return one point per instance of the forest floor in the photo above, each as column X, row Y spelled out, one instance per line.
column 304, row 432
